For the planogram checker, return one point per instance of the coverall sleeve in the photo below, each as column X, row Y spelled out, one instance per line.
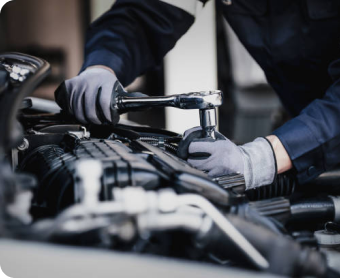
column 135, row 35
column 312, row 139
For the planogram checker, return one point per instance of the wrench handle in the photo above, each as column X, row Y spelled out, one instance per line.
column 144, row 103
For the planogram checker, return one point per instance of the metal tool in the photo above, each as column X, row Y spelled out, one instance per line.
column 208, row 122
column 205, row 101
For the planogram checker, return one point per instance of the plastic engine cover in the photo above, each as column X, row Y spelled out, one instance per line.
column 55, row 170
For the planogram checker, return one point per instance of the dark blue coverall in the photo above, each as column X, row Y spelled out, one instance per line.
column 296, row 42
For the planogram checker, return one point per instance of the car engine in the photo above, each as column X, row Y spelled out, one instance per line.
column 124, row 188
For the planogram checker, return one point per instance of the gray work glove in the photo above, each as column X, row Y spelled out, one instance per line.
column 91, row 96
column 255, row 160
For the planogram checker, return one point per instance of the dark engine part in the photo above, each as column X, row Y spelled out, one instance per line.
column 55, row 169
column 135, row 164
column 300, row 212
column 278, row 208
column 328, row 182
column 285, row 256
column 24, row 73
column 19, row 75
column 284, row 185
column 318, row 209
column 185, row 178
column 311, row 213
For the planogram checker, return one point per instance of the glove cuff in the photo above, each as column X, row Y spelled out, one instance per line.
column 259, row 163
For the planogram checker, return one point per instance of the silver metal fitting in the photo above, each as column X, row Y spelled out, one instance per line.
column 19, row 74
column 81, row 134
column 336, row 201
column 208, row 122
column 24, row 145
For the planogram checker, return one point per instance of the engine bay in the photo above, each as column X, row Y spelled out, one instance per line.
column 124, row 188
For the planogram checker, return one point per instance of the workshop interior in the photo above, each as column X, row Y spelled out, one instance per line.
column 117, row 199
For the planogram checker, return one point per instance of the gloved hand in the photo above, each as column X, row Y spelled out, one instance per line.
column 255, row 160
column 91, row 96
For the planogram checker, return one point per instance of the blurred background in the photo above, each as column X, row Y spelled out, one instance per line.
column 208, row 57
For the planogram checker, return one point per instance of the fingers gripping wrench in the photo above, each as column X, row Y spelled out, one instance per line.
column 205, row 101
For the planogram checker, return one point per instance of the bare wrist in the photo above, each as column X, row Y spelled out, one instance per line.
column 102, row 67
column 283, row 160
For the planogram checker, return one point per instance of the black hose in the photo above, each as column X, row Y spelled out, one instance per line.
column 318, row 209
column 284, row 185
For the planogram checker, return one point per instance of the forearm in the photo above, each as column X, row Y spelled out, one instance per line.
column 283, row 160
column 134, row 36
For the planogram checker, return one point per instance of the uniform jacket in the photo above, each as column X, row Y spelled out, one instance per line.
column 296, row 43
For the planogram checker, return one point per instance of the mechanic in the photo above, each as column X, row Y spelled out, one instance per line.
column 296, row 42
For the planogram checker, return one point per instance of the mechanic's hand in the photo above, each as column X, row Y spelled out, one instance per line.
column 91, row 96
column 255, row 160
